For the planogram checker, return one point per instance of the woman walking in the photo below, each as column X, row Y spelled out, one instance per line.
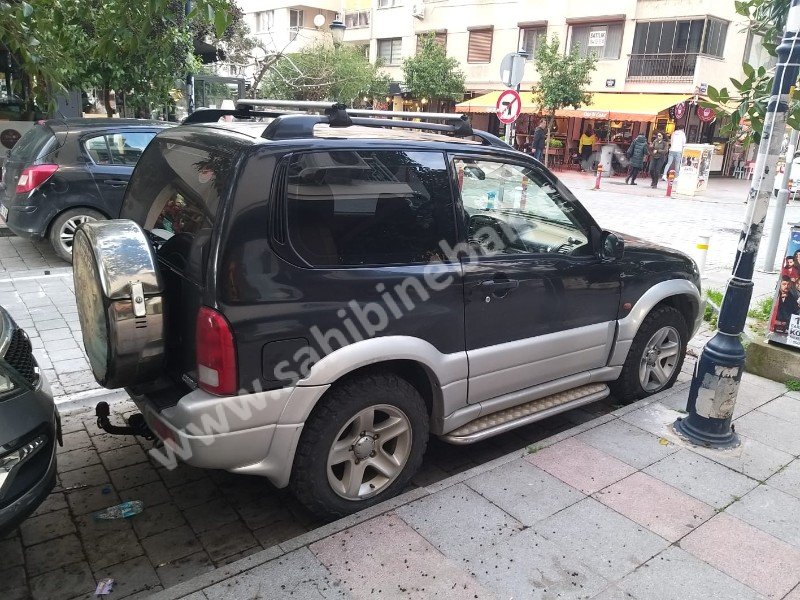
column 636, row 152
column 659, row 150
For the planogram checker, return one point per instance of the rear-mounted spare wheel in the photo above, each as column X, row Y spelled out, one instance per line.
column 119, row 293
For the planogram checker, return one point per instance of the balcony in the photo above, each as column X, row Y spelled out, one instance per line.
column 662, row 67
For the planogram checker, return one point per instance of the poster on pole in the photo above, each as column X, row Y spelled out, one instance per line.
column 784, row 323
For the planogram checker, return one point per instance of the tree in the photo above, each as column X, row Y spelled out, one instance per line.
column 562, row 80
column 432, row 74
column 749, row 97
column 323, row 72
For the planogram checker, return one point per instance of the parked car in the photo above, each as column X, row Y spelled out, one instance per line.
column 64, row 172
column 308, row 299
column 29, row 428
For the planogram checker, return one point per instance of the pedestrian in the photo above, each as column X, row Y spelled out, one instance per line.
column 658, row 150
column 587, row 141
column 539, row 136
column 676, row 144
column 636, row 153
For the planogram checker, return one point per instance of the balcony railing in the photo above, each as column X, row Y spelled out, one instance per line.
column 662, row 67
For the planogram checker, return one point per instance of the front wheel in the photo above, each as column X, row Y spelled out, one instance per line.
column 656, row 355
column 361, row 446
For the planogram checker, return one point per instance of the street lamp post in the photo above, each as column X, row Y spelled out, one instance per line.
column 715, row 384
column 337, row 31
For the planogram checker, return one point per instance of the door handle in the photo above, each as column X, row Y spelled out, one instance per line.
column 493, row 286
column 115, row 182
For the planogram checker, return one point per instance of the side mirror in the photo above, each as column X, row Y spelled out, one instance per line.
column 474, row 172
column 611, row 247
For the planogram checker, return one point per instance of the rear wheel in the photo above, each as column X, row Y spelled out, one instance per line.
column 656, row 355
column 361, row 446
column 62, row 230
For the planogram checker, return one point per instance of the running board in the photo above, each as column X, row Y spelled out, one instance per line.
column 517, row 416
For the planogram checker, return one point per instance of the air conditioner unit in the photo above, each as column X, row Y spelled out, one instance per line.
column 418, row 10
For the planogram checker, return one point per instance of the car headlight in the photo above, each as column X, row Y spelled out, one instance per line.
column 11, row 461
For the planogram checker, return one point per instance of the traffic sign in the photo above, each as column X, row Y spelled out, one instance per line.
column 512, row 68
column 509, row 105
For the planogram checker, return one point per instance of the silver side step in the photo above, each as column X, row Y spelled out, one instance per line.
column 517, row 416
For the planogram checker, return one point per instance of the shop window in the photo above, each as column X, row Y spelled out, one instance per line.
column 530, row 38
column 604, row 40
column 479, row 48
column 390, row 51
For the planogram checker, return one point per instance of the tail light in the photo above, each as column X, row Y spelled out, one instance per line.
column 216, row 353
column 32, row 177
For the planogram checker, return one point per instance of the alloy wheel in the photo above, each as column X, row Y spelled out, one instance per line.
column 369, row 452
column 66, row 235
column 659, row 359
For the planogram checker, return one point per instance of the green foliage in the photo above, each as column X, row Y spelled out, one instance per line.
column 556, row 143
column 710, row 314
column 563, row 79
column 762, row 310
column 141, row 47
column 793, row 385
column 748, row 98
column 432, row 74
column 324, row 72
column 715, row 296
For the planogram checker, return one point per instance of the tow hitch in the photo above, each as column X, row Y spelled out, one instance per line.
column 136, row 423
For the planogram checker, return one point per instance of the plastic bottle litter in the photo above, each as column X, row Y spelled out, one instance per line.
column 120, row 511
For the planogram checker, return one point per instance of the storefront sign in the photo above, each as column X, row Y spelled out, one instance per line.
column 597, row 37
column 784, row 323
column 9, row 137
column 706, row 115
column 595, row 114
column 680, row 110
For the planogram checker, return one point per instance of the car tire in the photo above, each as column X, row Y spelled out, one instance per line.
column 337, row 470
column 651, row 366
column 62, row 229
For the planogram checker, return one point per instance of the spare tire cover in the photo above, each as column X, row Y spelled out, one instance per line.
column 119, row 290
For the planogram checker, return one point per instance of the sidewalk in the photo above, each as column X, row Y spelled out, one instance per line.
column 614, row 508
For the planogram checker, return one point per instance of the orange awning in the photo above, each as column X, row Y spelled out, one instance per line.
column 616, row 106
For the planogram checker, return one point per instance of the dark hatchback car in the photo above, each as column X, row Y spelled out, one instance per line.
column 64, row 172
column 29, row 428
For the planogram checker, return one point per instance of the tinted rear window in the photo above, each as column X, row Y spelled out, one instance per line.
column 30, row 146
column 174, row 193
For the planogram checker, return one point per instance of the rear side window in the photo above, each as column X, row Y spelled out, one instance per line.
column 33, row 144
column 123, row 148
column 174, row 194
column 352, row 208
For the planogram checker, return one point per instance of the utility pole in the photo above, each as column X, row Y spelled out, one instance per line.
column 715, row 384
column 780, row 205
column 187, row 7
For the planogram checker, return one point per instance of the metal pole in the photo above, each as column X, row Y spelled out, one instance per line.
column 715, row 384
column 189, row 76
column 780, row 206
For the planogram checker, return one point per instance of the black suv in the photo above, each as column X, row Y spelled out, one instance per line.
column 309, row 299
column 64, row 172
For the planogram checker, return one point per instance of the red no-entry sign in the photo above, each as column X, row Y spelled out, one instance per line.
column 509, row 105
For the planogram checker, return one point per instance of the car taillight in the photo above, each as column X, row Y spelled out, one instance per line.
column 32, row 177
column 216, row 353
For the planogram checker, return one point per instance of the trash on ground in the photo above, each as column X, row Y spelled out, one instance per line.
column 104, row 587
column 120, row 511
column 78, row 486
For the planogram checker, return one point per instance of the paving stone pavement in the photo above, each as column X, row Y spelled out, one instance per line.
column 657, row 519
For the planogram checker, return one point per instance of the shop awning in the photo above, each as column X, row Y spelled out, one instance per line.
column 619, row 106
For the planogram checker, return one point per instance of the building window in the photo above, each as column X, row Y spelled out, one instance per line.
column 357, row 20
column 669, row 49
column 295, row 19
column 264, row 20
column 390, row 51
column 604, row 40
column 440, row 37
column 388, row 3
column 529, row 39
column 480, row 46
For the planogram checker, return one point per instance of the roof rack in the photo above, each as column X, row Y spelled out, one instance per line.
column 295, row 119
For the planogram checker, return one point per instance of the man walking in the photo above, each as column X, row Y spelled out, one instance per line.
column 677, row 141
column 537, row 145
